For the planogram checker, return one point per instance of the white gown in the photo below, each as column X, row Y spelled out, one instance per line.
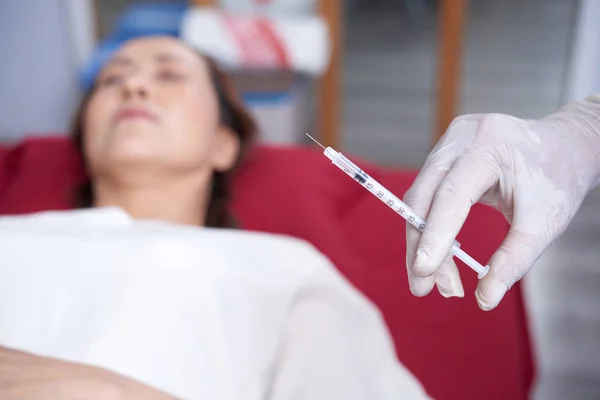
column 198, row 313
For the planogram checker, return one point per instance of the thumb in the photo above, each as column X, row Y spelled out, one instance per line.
column 515, row 257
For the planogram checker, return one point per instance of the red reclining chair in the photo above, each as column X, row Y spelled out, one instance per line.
column 454, row 348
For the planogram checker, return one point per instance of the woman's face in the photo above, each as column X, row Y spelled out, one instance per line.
column 155, row 105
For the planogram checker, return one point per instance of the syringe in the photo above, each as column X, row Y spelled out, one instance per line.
column 393, row 202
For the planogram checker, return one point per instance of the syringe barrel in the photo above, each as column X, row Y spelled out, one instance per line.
column 393, row 202
column 377, row 189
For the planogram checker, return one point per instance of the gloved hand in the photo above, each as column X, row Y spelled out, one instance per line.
column 536, row 172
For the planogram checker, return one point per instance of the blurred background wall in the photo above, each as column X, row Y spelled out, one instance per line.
column 42, row 46
column 516, row 60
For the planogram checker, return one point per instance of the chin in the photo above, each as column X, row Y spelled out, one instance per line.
column 134, row 146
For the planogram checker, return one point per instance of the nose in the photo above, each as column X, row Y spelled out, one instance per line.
column 135, row 86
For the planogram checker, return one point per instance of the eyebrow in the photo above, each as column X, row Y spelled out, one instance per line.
column 167, row 57
column 119, row 61
column 161, row 58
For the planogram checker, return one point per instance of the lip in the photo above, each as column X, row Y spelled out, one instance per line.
column 128, row 113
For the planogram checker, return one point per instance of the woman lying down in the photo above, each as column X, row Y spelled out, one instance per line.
column 138, row 295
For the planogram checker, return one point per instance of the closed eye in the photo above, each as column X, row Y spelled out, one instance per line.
column 173, row 76
column 110, row 79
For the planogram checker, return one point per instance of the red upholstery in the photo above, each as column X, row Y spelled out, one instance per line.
column 456, row 350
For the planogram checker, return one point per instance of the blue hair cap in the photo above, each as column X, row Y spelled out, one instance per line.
column 139, row 20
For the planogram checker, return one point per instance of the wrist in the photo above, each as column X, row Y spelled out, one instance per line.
column 580, row 121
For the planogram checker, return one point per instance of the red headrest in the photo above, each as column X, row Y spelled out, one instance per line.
column 455, row 349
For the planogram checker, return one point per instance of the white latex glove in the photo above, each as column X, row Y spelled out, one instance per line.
column 535, row 172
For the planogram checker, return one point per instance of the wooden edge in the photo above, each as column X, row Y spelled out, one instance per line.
column 329, row 90
column 97, row 20
column 204, row 3
column 451, row 28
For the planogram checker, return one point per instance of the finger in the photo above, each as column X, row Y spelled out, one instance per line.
column 419, row 198
column 470, row 177
column 516, row 255
column 447, row 279
column 419, row 286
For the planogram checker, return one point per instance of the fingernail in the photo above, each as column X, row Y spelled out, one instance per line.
column 491, row 295
column 452, row 291
column 450, row 288
column 421, row 267
column 421, row 286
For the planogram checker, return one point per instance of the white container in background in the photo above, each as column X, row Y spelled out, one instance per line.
column 271, row 7
column 279, row 101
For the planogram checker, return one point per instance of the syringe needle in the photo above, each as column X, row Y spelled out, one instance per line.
column 314, row 140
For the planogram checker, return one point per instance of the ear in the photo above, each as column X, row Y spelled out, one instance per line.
column 226, row 149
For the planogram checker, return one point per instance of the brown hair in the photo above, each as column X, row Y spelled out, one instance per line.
column 233, row 115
